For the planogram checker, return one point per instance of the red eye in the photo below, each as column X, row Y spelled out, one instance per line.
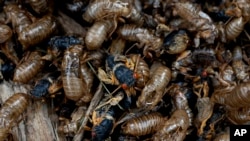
column 93, row 134
column 135, row 76
column 204, row 74
column 124, row 86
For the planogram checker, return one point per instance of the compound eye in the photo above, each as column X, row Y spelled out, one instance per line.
column 204, row 74
column 93, row 134
column 124, row 86
column 135, row 76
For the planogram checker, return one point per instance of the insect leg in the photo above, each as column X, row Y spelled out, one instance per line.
column 103, row 76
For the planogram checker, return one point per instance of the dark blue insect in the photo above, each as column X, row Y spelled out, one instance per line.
column 42, row 86
column 124, row 75
column 7, row 70
column 61, row 43
column 101, row 132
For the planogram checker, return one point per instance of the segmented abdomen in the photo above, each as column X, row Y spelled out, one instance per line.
column 12, row 108
column 73, row 87
column 27, row 70
column 234, row 28
column 143, row 125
